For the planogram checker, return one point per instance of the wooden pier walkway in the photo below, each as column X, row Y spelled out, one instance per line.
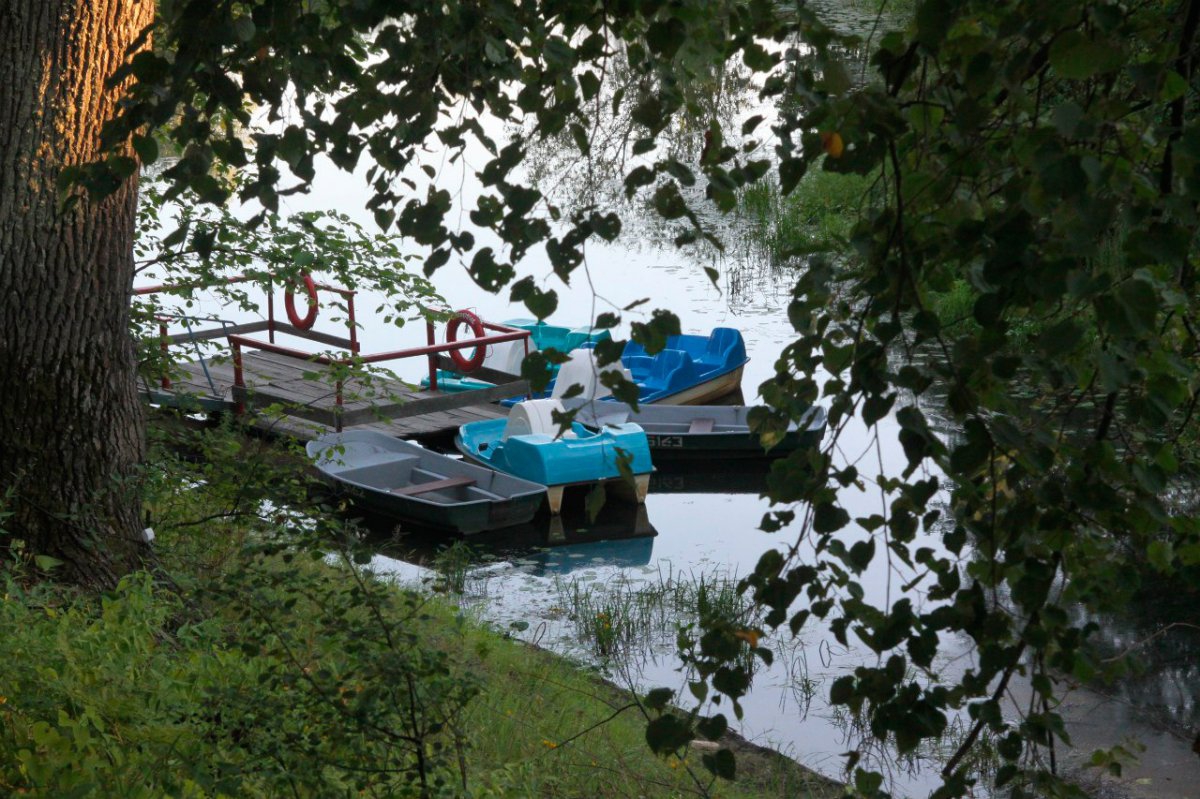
column 289, row 396
column 288, row 391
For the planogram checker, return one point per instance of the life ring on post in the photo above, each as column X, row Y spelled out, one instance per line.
column 472, row 321
column 289, row 303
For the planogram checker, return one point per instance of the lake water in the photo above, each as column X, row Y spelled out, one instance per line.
column 703, row 523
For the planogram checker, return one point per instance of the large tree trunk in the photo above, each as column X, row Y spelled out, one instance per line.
column 71, row 431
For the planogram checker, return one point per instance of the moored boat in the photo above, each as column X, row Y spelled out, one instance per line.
column 690, row 370
column 407, row 481
column 507, row 357
column 690, row 431
column 528, row 445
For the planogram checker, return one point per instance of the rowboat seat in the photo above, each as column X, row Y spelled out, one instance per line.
column 702, row 425
column 433, row 485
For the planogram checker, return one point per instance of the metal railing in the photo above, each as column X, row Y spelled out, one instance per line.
column 431, row 350
column 238, row 340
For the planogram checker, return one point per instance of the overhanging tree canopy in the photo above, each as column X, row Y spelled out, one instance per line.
column 1040, row 157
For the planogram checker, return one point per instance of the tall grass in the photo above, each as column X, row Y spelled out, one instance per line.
column 623, row 617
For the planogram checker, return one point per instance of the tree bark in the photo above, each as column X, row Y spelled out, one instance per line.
column 71, row 429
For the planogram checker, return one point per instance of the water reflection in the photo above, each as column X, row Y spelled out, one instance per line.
column 620, row 536
column 1162, row 630
column 709, row 477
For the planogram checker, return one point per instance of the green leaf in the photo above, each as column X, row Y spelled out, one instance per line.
column 243, row 28
column 665, row 37
column 594, row 501
column 653, row 335
column 790, row 172
column 829, row 518
column 1174, row 86
column 540, row 303
column 535, row 368
column 721, row 763
column 712, row 727
column 47, row 563
column 581, row 138
column 589, row 84
column 667, row 734
column 1161, row 555
column 1074, row 56
column 668, row 202
column 146, row 148
column 659, row 698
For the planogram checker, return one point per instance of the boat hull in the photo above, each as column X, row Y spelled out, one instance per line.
column 669, row 446
column 412, row 484
column 703, row 393
column 586, row 458
column 462, row 519
column 701, row 431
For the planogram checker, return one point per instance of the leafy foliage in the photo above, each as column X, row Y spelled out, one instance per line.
column 1019, row 146
column 212, row 257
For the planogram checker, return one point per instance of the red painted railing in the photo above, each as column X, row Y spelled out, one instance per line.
column 238, row 341
column 431, row 350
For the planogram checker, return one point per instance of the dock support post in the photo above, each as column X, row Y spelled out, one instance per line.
column 271, row 312
column 239, row 382
column 337, row 412
column 431, row 337
column 163, row 343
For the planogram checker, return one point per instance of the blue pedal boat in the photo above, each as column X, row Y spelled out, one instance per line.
column 401, row 479
column 691, row 370
column 527, row 445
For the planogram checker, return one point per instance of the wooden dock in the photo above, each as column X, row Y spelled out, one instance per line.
column 289, row 396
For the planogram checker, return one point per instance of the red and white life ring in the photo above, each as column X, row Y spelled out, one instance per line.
column 289, row 303
column 472, row 321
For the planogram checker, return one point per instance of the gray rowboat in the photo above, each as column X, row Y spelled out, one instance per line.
column 407, row 481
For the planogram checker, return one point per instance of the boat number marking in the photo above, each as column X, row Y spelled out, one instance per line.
column 665, row 442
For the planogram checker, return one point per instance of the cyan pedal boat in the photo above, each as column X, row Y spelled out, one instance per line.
column 528, row 445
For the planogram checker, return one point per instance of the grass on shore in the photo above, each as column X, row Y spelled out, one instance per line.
column 276, row 670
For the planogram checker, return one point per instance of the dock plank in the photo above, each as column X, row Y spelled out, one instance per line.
column 308, row 403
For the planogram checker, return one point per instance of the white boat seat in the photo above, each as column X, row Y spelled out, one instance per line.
column 532, row 417
column 434, row 485
column 702, row 425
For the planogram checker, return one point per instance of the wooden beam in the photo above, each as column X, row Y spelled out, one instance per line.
column 435, row 402
column 313, row 335
column 435, row 485
column 217, row 332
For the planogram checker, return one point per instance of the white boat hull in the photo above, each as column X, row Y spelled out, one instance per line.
column 703, row 393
